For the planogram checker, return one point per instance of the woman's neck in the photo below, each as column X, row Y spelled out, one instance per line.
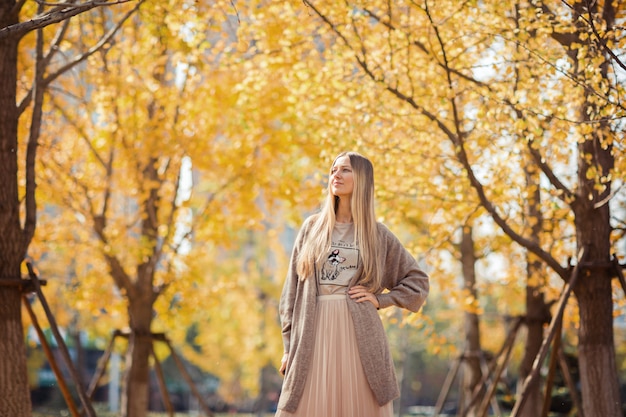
column 344, row 213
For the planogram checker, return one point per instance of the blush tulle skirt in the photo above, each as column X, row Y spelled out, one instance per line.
column 336, row 384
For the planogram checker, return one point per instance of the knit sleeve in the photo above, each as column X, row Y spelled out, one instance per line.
column 290, row 287
column 407, row 283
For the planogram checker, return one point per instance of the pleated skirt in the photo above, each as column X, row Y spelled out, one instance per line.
column 336, row 385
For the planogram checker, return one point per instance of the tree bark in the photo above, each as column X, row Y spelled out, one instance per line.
column 537, row 311
column 596, row 345
column 135, row 400
column 472, row 373
column 141, row 298
column 15, row 397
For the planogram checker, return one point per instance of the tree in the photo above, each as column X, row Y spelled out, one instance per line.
column 472, row 355
column 174, row 151
column 428, row 56
column 128, row 145
column 26, row 30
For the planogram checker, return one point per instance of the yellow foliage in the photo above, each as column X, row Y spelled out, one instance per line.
column 249, row 104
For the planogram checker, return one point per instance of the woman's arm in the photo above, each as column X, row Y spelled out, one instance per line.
column 290, row 287
column 288, row 297
column 407, row 283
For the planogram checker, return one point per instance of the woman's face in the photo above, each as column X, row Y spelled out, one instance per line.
column 341, row 177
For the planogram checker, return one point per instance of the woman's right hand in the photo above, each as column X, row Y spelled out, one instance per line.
column 283, row 364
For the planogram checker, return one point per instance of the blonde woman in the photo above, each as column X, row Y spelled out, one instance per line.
column 337, row 361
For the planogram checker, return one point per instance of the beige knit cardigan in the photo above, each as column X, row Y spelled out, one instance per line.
column 408, row 287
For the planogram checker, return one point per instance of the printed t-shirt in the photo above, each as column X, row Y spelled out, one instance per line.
column 341, row 263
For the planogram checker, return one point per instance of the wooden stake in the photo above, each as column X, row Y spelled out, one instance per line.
column 501, row 366
column 187, row 378
column 61, row 344
column 506, row 347
column 543, row 351
column 161, row 380
column 51, row 360
column 571, row 385
column 101, row 368
column 556, row 346
column 448, row 384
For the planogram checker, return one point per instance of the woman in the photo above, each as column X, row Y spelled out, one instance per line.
column 337, row 361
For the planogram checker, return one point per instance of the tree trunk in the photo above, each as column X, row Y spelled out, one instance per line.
column 15, row 397
column 135, row 400
column 596, row 345
column 471, row 362
column 537, row 312
column 80, row 361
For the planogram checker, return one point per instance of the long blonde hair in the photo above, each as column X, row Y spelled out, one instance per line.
column 317, row 244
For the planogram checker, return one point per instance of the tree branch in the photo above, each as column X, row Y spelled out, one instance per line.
column 80, row 58
column 81, row 133
column 567, row 195
column 105, row 39
column 424, row 49
column 459, row 145
column 608, row 12
column 30, row 221
column 56, row 42
column 500, row 221
column 119, row 275
column 63, row 12
column 459, row 142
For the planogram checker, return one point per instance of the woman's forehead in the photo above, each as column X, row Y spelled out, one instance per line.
column 342, row 160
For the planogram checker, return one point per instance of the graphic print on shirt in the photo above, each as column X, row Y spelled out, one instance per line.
column 341, row 264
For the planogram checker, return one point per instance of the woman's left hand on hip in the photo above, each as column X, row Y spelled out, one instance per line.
column 359, row 293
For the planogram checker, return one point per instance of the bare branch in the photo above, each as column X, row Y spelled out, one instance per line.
column 109, row 178
column 601, row 41
column 30, row 221
column 56, row 42
column 80, row 58
column 566, row 194
column 328, row 22
column 530, row 245
column 607, row 198
column 424, row 49
column 81, row 132
column 171, row 217
column 105, row 39
column 71, row 197
column 173, row 204
column 118, row 273
column 57, row 15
